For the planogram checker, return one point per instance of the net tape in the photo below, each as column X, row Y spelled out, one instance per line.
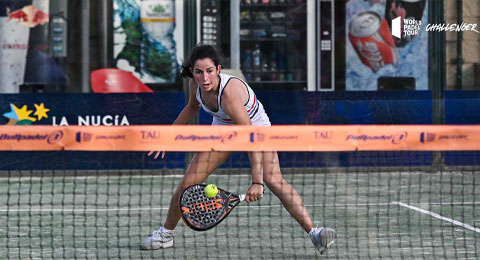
column 241, row 138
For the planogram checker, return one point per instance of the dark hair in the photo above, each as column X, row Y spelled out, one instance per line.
column 201, row 51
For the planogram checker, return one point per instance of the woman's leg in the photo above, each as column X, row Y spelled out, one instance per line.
column 272, row 176
column 201, row 166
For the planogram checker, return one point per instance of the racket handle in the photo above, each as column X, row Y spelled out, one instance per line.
column 242, row 197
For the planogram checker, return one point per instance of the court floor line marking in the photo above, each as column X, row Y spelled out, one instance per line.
column 438, row 216
column 95, row 209
column 67, row 210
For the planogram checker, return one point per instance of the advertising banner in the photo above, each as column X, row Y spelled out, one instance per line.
column 24, row 46
column 241, row 138
column 90, row 109
column 144, row 39
column 387, row 47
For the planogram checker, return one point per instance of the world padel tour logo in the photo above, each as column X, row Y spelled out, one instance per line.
column 409, row 27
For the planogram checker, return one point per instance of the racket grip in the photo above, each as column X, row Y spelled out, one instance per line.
column 242, row 197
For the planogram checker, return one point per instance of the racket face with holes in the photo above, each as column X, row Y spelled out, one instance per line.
column 200, row 212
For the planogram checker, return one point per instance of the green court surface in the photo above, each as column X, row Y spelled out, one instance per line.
column 378, row 215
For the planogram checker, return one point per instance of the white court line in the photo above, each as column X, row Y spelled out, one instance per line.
column 93, row 209
column 67, row 210
column 102, row 177
column 435, row 215
column 82, row 177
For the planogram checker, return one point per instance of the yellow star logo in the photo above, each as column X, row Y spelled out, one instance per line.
column 41, row 111
column 23, row 113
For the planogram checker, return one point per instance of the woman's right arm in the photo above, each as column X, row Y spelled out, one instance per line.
column 191, row 109
column 187, row 114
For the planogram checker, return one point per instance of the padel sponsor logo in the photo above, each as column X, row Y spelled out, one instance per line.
column 452, row 27
column 22, row 115
column 427, row 137
column 83, row 137
column 411, row 27
column 194, row 138
column 49, row 138
column 150, row 135
column 94, row 120
column 23, row 137
column 256, row 137
column 55, row 137
column 452, row 137
column 430, row 137
column 205, row 206
column 259, row 137
column 395, row 139
column 110, row 137
column 229, row 137
column 283, row 137
column 399, row 137
column 322, row 135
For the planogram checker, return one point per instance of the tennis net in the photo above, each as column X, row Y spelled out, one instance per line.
column 384, row 204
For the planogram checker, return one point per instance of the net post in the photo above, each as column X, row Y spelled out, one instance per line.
column 437, row 52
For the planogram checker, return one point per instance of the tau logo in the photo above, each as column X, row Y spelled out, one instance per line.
column 150, row 135
column 322, row 134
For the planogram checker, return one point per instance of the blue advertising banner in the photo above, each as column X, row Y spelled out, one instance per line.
column 461, row 108
column 89, row 109
column 283, row 107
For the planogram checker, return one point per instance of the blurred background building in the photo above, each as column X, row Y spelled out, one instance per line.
column 54, row 45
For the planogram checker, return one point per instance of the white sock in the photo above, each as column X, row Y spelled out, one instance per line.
column 312, row 231
column 166, row 230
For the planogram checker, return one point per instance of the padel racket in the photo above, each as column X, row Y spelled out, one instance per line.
column 200, row 212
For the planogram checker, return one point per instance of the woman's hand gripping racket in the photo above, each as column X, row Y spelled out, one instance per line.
column 200, row 212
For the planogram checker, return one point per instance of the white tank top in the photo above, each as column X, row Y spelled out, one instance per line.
column 254, row 108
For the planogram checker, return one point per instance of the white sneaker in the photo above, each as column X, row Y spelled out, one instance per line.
column 159, row 239
column 323, row 238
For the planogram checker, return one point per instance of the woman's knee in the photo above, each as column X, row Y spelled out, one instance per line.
column 274, row 182
column 191, row 179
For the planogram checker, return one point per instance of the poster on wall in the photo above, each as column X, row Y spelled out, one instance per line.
column 24, row 46
column 146, row 40
column 387, row 46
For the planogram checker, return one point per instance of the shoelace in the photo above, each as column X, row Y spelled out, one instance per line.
column 160, row 235
column 156, row 234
